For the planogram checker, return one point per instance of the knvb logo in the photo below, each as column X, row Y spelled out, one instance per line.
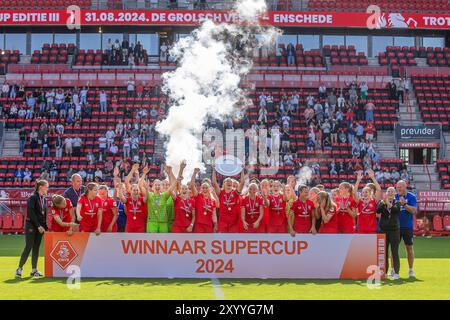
column 63, row 254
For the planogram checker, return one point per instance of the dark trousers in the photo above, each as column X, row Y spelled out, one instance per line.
column 33, row 240
column 393, row 241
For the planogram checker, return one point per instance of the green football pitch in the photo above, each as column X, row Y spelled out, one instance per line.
column 432, row 267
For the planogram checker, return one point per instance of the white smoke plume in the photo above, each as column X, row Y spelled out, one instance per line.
column 211, row 64
column 304, row 176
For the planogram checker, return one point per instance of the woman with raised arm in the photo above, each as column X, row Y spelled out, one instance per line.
column 205, row 206
column 347, row 208
column 367, row 207
column 328, row 210
column 277, row 209
column 89, row 210
column 157, row 205
column 229, row 207
column 184, row 205
column 252, row 211
column 135, row 208
column 302, row 217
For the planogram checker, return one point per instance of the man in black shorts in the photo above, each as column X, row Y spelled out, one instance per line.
column 408, row 202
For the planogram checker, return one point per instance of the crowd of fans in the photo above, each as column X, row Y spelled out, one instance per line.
column 332, row 117
column 125, row 54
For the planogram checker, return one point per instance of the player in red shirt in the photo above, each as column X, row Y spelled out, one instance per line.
column 184, row 205
column 136, row 208
column 205, row 207
column 229, row 207
column 302, row 218
column 265, row 190
column 277, row 210
column 367, row 205
column 252, row 211
column 328, row 211
column 63, row 216
column 347, row 208
column 89, row 210
column 110, row 210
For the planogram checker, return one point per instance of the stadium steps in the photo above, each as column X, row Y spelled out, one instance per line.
column 10, row 147
column 410, row 115
column 422, row 62
column 421, row 179
column 385, row 145
column 446, row 141
column 373, row 62
column 25, row 59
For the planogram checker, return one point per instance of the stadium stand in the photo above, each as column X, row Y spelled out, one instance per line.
column 443, row 168
column 433, row 97
column 8, row 57
column 343, row 55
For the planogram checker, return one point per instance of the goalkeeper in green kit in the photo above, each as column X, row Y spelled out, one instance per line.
column 158, row 218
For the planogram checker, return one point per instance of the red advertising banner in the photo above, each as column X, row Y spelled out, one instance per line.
column 432, row 201
column 195, row 17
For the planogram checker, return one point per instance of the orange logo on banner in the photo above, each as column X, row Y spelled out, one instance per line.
column 63, row 254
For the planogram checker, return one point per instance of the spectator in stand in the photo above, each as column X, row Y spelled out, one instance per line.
column 19, row 175
column 83, row 95
column 370, row 131
column 262, row 115
column 113, row 149
column 332, row 167
column 98, row 175
column 322, row 91
column 68, row 144
column 82, row 174
column 290, row 51
column 90, row 174
column 27, row 175
column 5, row 90
column 130, row 88
column 45, row 175
column 102, row 144
column 22, row 140
column 90, row 157
column 53, row 171
column 46, row 146
column 103, row 101
column 364, row 88
column 359, row 131
column 76, row 143
column 401, row 91
column 110, row 135
column 279, row 55
column 369, row 111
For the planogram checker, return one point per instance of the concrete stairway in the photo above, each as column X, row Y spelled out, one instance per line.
column 447, row 145
column 422, row 62
column 385, row 145
column 410, row 114
column 10, row 147
column 422, row 180
column 373, row 62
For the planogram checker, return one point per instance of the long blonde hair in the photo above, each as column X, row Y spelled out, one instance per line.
column 325, row 196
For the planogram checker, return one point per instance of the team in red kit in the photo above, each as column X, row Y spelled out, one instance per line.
column 266, row 206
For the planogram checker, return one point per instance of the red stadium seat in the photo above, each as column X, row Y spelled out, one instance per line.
column 7, row 221
column 18, row 221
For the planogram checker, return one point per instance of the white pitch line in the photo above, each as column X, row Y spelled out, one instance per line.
column 217, row 290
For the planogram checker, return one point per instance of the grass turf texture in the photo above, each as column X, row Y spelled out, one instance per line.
column 432, row 267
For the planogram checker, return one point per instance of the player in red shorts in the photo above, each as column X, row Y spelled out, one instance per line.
column 252, row 211
column 63, row 216
column 328, row 211
column 184, row 205
column 89, row 210
column 229, row 207
column 347, row 208
column 367, row 205
column 205, row 207
column 110, row 210
column 277, row 210
column 265, row 190
column 302, row 218
column 136, row 208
